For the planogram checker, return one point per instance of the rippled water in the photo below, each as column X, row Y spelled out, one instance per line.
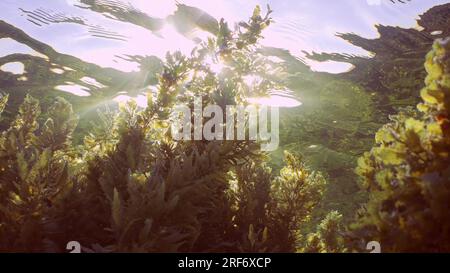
column 108, row 32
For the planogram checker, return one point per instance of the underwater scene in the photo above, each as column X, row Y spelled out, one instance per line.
column 258, row 126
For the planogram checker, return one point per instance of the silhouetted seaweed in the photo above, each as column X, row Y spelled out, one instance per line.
column 41, row 17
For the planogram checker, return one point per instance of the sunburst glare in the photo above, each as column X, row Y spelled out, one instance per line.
column 141, row 100
column 275, row 101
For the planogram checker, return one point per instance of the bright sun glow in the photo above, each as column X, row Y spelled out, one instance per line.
column 75, row 89
column 331, row 67
column 278, row 98
column 252, row 80
column 16, row 68
column 140, row 42
column 216, row 66
column 275, row 101
column 141, row 100
column 92, row 82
